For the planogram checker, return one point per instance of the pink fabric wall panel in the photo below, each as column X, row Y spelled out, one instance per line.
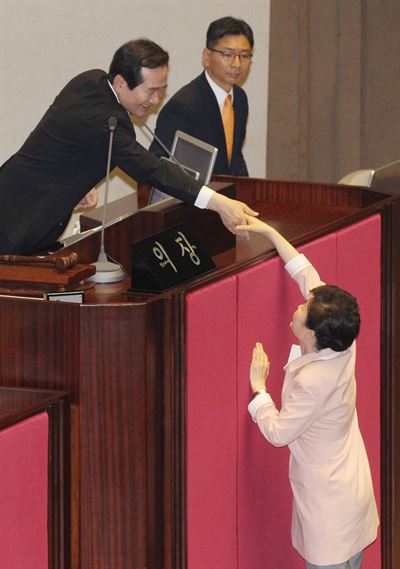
column 23, row 494
column 211, row 426
column 359, row 271
column 267, row 299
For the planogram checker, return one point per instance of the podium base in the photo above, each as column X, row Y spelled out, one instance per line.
column 107, row 272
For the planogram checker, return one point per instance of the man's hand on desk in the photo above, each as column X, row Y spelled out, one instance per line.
column 90, row 200
column 231, row 212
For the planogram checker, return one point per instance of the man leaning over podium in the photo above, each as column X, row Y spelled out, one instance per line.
column 66, row 154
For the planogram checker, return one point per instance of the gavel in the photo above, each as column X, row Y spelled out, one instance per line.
column 61, row 263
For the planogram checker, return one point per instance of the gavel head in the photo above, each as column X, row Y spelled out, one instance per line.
column 66, row 262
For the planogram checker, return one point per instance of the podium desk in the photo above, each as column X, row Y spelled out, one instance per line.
column 161, row 473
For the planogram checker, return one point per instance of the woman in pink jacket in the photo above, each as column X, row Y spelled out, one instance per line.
column 334, row 512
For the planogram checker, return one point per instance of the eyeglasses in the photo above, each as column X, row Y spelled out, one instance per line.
column 230, row 56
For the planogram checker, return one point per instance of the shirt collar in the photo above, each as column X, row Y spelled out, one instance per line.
column 220, row 93
column 116, row 96
column 325, row 354
column 113, row 90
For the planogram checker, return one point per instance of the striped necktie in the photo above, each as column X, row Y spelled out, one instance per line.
column 228, row 120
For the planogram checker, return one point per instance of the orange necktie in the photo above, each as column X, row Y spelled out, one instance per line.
column 228, row 120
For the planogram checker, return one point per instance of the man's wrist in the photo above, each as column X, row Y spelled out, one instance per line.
column 204, row 197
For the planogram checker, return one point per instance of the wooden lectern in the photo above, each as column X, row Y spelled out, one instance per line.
column 160, row 433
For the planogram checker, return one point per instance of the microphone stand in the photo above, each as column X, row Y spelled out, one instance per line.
column 107, row 272
column 160, row 142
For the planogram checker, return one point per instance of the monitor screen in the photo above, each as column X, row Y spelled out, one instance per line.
column 195, row 153
column 197, row 157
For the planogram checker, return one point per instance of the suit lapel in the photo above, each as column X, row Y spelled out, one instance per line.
column 213, row 114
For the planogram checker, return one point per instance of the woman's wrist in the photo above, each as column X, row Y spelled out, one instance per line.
column 259, row 391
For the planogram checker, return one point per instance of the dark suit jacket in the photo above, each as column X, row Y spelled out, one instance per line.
column 194, row 109
column 65, row 156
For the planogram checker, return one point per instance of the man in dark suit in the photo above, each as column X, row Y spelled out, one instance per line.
column 66, row 154
column 197, row 108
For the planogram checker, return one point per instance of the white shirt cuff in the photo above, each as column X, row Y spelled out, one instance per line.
column 297, row 264
column 203, row 197
column 257, row 402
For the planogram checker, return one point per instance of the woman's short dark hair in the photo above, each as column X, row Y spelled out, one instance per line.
column 129, row 59
column 228, row 26
column 334, row 316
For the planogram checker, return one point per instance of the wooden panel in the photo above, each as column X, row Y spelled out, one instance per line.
column 390, row 394
column 124, row 429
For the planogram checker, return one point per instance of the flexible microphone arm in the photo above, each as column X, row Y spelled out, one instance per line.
column 160, row 142
column 107, row 272
column 112, row 125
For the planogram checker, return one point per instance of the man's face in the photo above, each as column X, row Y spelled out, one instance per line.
column 224, row 69
column 138, row 101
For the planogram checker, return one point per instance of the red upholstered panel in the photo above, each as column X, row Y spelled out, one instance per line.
column 211, row 426
column 267, row 299
column 23, row 494
column 359, row 271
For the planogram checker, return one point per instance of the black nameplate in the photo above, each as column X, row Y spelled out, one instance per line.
column 168, row 258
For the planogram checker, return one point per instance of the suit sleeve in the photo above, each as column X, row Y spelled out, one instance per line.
column 240, row 166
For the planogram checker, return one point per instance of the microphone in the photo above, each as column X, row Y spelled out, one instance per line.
column 107, row 272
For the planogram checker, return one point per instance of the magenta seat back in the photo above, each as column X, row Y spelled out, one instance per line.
column 23, row 494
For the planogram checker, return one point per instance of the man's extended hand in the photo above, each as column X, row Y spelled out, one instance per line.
column 231, row 212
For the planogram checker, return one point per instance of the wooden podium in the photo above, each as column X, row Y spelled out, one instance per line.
column 123, row 360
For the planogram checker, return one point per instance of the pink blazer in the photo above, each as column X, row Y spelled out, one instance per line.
column 334, row 510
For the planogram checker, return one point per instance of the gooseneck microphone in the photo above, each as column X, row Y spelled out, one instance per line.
column 160, row 142
column 107, row 272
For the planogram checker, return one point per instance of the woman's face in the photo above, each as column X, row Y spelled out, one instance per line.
column 299, row 318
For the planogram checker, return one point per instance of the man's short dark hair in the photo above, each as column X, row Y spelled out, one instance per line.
column 228, row 26
column 334, row 316
column 129, row 59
